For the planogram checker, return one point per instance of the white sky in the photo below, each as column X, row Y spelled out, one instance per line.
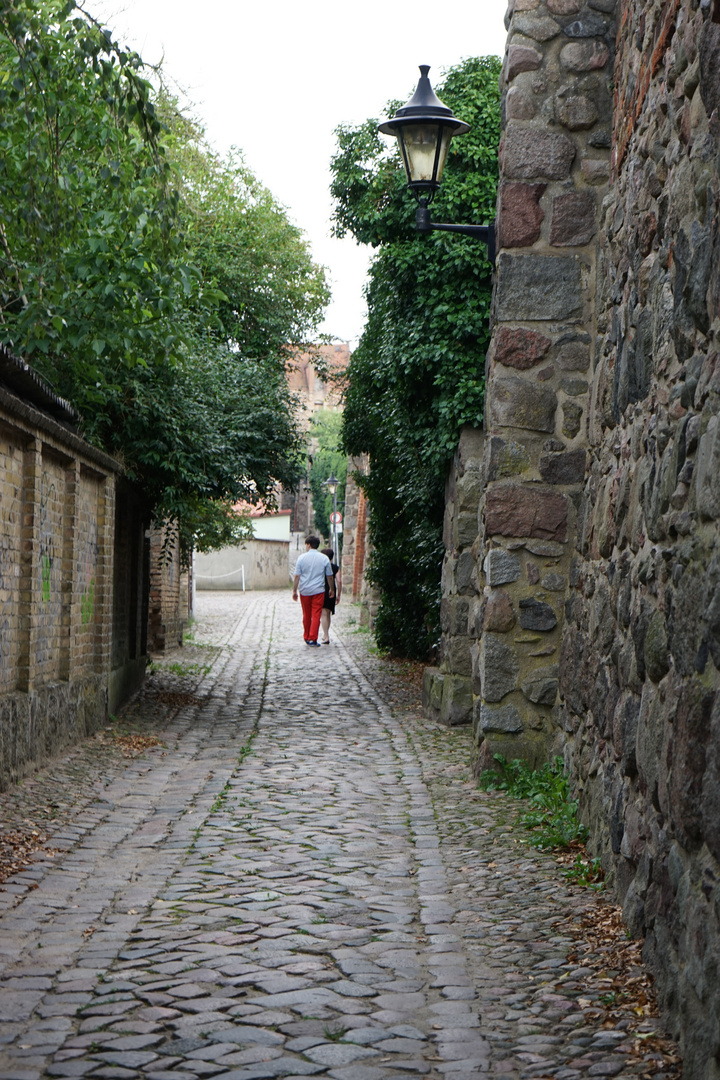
column 276, row 77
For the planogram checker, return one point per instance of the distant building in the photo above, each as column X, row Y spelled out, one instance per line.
column 315, row 395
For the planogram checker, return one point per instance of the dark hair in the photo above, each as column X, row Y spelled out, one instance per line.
column 313, row 541
column 329, row 552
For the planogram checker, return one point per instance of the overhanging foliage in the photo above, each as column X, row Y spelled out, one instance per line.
column 154, row 284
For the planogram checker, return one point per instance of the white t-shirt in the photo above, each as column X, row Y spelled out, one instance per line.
column 313, row 567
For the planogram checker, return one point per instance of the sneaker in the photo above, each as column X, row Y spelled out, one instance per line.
column 315, row 644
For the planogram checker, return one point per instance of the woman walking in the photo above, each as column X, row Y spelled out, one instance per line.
column 331, row 597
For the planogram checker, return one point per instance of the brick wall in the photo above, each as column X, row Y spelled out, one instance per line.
column 359, row 553
column 168, row 600
column 130, row 595
column 354, row 530
column 57, row 518
column 11, row 521
column 356, row 544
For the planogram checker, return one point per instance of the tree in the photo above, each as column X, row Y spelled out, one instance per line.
column 325, row 430
column 272, row 294
column 94, row 269
column 271, row 297
column 159, row 299
column 417, row 375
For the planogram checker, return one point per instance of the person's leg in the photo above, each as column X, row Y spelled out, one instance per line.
column 325, row 623
column 316, row 609
column 306, row 604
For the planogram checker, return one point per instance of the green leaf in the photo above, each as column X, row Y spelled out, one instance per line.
column 162, row 284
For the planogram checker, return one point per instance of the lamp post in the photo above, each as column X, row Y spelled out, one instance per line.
column 332, row 483
column 423, row 128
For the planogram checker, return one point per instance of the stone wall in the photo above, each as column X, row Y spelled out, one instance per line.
column 599, row 558
column 641, row 648
column 57, row 509
column 448, row 688
column 554, row 169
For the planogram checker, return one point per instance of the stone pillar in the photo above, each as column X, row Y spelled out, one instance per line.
column 554, row 168
column 447, row 688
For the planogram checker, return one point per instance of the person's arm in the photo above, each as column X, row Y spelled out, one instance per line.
column 338, row 586
column 296, row 582
column 330, row 580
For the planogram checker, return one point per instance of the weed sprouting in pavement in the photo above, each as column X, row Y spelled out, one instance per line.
column 552, row 817
column 335, row 1034
column 585, row 871
column 220, row 799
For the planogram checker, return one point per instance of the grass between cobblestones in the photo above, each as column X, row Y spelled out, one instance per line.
column 617, row 989
column 602, row 969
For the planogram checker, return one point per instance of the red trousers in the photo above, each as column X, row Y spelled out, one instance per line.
column 312, row 610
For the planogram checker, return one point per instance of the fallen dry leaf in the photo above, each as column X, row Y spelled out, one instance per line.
column 17, row 849
column 135, row 744
column 620, row 984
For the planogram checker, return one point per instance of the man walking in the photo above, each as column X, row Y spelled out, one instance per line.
column 311, row 569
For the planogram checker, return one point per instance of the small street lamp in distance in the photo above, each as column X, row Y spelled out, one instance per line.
column 423, row 128
column 332, row 483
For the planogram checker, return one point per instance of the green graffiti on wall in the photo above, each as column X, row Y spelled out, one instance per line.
column 46, row 579
column 87, row 604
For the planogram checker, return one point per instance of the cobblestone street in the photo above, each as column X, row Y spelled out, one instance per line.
column 301, row 879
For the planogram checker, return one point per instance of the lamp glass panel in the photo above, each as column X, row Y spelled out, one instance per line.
column 420, row 146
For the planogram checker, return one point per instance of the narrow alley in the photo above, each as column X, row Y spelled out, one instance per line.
column 297, row 879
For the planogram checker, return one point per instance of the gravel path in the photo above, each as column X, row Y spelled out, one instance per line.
column 299, row 879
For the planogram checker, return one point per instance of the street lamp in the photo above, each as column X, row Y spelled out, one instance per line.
column 423, row 128
column 332, row 483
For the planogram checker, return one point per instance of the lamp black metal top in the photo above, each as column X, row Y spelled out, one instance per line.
column 425, row 105
column 423, row 128
column 331, row 483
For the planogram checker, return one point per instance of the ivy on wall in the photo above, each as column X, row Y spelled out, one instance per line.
column 416, row 377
